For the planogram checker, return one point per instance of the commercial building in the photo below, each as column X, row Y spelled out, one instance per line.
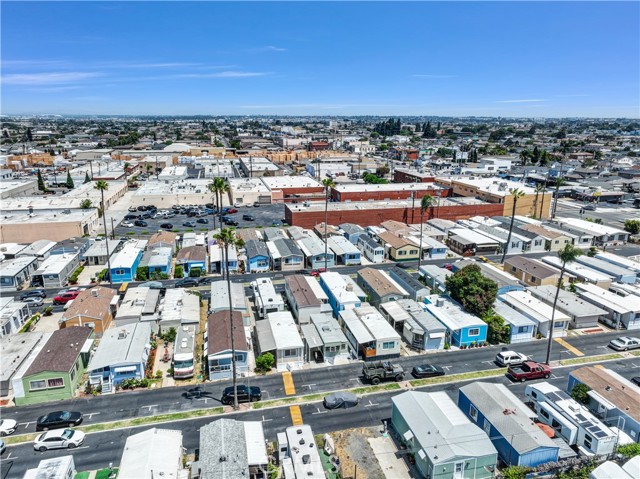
column 582, row 313
column 420, row 330
column 258, row 166
column 405, row 175
column 385, row 192
column 247, row 191
column 60, row 224
column 94, row 308
column 53, row 371
column 508, row 423
column 279, row 336
column 165, row 194
column 463, row 329
column 217, row 345
column 370, row 336
column 153, row 453
column 13, row 188
column 443, row 441
column 293, row 189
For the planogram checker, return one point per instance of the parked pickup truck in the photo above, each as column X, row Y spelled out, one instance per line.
column 381, row 371
column 529, row 370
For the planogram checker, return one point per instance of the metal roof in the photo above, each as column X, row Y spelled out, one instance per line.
column 121, row 345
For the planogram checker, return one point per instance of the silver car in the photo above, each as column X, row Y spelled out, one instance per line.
column 58, row 439
column 624, row 343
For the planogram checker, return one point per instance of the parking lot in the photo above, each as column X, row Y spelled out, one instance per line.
column 264, row 215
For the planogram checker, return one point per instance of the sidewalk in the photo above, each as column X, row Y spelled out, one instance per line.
column 159, row 365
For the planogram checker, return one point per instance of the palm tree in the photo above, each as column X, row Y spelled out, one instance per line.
column 328, row 183
column 525, row 155
column 516, row 194
column 425, row 203
column 567, row 255
column 149, row 168
column 544, row 191
column 102, row 186
column 212, row 189
column 227, row 238
column 559, row 182
column 539, row 188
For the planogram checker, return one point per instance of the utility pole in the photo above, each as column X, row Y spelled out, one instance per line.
column 113, row 233
column 413, row 207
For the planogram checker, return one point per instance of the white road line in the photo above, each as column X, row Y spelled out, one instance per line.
column 91, row 414
column 488, row 362
column 150, row 406
column 319, row 412
column 309, row 385
column 356, row 379
column 556, row 377
column 370, row 404
column 202, row 399
column 266, row 420
column 446, row 367
column 26, row 424
column 82, row 447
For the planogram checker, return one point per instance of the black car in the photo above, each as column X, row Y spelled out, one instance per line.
column 203, row 221
column 245, row 394
column 147, row 216
column 166, row 226
column 131, row 217
column 36, row 293
column 142, row 208
column 187, row 283
column 194, row 393
column 231, row 222
column 140, row 223
column 427, row 371
column 636, row 380
column 205, row 280
column 248, row 217
column 58, row 420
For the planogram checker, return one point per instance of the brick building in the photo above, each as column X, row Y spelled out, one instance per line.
column 292, row 189
column 385, row 192
column 405, row 175
column 319, row 145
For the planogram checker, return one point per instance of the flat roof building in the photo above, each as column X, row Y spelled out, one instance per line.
column 153, row 453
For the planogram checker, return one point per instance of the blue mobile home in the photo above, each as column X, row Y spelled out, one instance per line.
column 258, row 259
column 125, row 263
column 463, row 329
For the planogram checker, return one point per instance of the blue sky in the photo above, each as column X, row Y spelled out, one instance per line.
column 351, row 58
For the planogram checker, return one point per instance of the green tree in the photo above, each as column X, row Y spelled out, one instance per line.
column 327, row 183
column 516, row 194
column 227, row 238
column 86, row 178
column 632, row 226
column 515, row 472
column 69, row 182
column 235, row 144
column 629, row 450
column 498, row 331
column 29, row 135
column 218, row 187
column 102, row 186
column 178, row 272
column 425, row 204
column 539, row 189
column 86, row 204
column 142, row 273
column 265, row 362
column 567, row 255
column 382, row 170
column 579, row 392
column 474, row 291
column 41, row 185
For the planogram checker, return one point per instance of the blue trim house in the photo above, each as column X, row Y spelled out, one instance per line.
column 352, row 232
column 258, row 259
column 508, row 423
column 521, row 328
column 342, row 292
column 217, row 345
column 463, row 329
column 193, row 257
column 158, row 260
column 124, row 264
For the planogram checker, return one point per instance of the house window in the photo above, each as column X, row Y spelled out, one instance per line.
column 36, row 385
column 388, row 345
column 538, row 242
column 556, row 241
column 544, row 413
column 513, row 269
column 402, row 253
column 289, row 353
column 473, row 412
column 119, row 272
column 72, row 374
column 523, row 329
column 534, row 279
column 474, row 332
column 239, row 357
column 55, row 383
column 587, row 440
column 487, row 427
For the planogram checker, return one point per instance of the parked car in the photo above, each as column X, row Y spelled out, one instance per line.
column 36, row 293
column 132, row 209
column 3, row 447
column 202, row 221
column 245, row 394
column 33, row 302
column 166, row 226
column 187, row 283
column 64, row 298
column 127, row 224
column 426, row 371
column 382, row 371
column 589, row 207
column 256, row 205
column 58, row 419
column 147, row 216
column 231, row 211
column 624, row 343
column 189, row 224
column 231, row 223
column 140, row 223
column 340, row 399
column 59, row 439
column 205, row 280
column 194, row 393
column 248, row 217
column 316, row 272
column 151, row 285
column 636, row 380
column 131, row 217
column 509, row 358
column 529, row 370
column 7, row 426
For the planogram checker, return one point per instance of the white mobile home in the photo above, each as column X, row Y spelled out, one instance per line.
column 279, row 335
column 370, row 335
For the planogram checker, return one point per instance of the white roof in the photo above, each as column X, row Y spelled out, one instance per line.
column 239, row 185
column 115, row 350
column 375, row 323
column 532, row 307
column 472, row 236
column 180, row 305
column 12, row 267
column 451, row 314
column 316, row 289
column 56, row 263
column 128, row 254
column 607, row 299
column 578, row 269
column 495, row 186
column 255, row 442
column 277, row 182
column 620, row 261
column 590, row 227
column 152, row 453
column 341, row 245
column 337, row 284
column 136, row 301
column 285, row 331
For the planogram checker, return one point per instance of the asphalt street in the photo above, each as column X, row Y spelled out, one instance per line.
column 101, row 449
column 611, row 214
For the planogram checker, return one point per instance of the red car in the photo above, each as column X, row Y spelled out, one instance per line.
column 64, row 298
column 231, row 211
column 316, row 272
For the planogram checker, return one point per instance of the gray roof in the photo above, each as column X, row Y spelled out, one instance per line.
column 568, row 303
column 113, row 351
column 370, row 241
column 223, row 438
column 510, row 315
column 219, row 299
column 256, row 248
column 407, row 281
column 16, row 348
column 272, row 233
column 500, row 277
column 606, row 267
column 508, row 415
column 351, row 229
column 266, row 341
column 38, row 247
column 287, row 247
column 328, row 329
column 441, row 429
column 99, row 248
column 311, row 336
column 417, row 313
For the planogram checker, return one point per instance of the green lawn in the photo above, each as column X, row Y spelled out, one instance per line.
column 104, row 473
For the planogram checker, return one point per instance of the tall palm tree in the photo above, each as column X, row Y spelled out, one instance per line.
column 539, row 188
column 212, row 188
column 544, row 191
column 328, row 183
column 425, row 203
column 126, row 173
column 227, row 237
column 149, row 168
column 516, row 194
column 567, row 255
column 102, row 186
column 559, row 182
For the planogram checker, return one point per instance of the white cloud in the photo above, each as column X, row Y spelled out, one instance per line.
column 535, row 100
column 268, row 48
column 225, row 74
column 51, row 78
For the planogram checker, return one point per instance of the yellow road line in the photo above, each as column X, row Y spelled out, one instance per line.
column 296, row 415
column 599, row 366
column 289, row 387
column 574, row 350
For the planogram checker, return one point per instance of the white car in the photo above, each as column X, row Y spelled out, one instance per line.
column 511, row 358
column 58, row 439
column 127, row 224
column 7, row 426
column 624, row 343
column 33, row 302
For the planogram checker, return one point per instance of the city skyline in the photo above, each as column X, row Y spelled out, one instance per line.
column 573, row 59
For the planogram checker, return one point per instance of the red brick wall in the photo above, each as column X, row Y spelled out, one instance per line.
column 308, row 219
column 402, row 177
column 383, row 195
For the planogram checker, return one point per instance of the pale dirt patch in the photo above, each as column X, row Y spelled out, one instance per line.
column 352, row 447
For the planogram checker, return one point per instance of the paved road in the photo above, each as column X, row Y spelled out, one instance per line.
column 611, row 215
column 100, row 449
column 151, row 402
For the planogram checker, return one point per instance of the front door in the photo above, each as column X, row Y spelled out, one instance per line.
column 458, row 470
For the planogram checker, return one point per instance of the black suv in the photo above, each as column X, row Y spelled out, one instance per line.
column 187, row 283
column 131, row 217
column 230, row 222
column 245, row 394
column 248, row 217
column 140, row 223
column 203, row 221
column 166, row 226
column 36, row 293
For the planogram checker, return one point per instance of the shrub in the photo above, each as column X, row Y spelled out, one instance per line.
column 179, row 272
column 48, row 311
column 265, row 362
column 73, row 279
column 102, row 275
column 159, row 375
column 447, row 346
column 195, row 273
column 142, row 273
column 630, row 450
column 580, row 393
column 169, row 336
column 32, row 320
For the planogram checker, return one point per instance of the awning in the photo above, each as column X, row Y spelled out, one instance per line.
column 421, row 454
column 408, row 435
column 86, row 347
column 221, row 356
column 125, row 369
column 436, row 335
